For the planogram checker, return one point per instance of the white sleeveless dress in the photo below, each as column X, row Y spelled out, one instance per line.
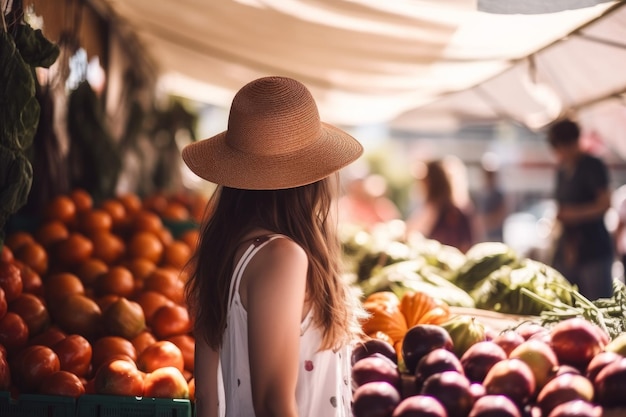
column 323, row 387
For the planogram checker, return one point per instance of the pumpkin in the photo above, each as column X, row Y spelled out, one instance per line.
column 384, row 317
column 420, row 308
column 393, row 317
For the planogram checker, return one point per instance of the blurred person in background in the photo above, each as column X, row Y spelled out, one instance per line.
column 584, row 249
column 365, row 202
column 491, row 204
column 440, row 217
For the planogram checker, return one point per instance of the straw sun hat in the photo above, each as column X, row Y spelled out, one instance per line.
column 274, row 140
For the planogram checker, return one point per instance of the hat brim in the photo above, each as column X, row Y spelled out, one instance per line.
column 213, row 160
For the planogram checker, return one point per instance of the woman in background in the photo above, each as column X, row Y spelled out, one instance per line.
column 440, row 217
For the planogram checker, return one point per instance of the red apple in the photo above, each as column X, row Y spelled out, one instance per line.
column 420, row 406
column 513, row 378
column 452, row 390
column 540, row 357
column 375, row 399
column 564, row 388
column 375, row 367
column 479, row 358
column 508, row 340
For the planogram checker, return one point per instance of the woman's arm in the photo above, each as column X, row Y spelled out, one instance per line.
column 275, row 295
column 205, row 373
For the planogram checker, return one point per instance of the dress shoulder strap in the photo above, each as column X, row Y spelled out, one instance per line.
column 255, row 246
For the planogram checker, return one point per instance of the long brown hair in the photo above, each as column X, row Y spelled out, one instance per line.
column 437, row 182
column 301, row 213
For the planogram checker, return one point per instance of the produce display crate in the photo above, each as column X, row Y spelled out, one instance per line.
column 91, row 405
column 33, row 405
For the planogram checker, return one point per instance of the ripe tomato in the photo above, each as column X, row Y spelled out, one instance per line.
column 31, row 365
column 187, row 345
column 6, row 254
column 10, row 280
column 75, row 353
column 33, row 311
column 78, row 314
column 13, row 332
column 31, row 280
column 143, row 340
column 166, row 282
column 48, row 337
column 171, row 320
column 150, row 302
column 34, row 255
column 192, row 389
column 62, row 383
column 61, row 284
column 160, row 354
column 166, row 382
column 119, row 377
column 109, row 347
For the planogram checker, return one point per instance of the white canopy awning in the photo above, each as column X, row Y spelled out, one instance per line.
column 400, row 61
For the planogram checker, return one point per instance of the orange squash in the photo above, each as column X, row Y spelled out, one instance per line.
column 392, row 316
column 420, row 308
column 386, row 318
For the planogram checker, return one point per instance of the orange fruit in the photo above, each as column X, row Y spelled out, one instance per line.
column 177, row 254
column 150, row 302
column 170, row 320
column 166, row 282
column 107, row 246
column 61, row 208
column 118, row 280
column 82, row 199
column 92, row 221
column 145, row 245
column 60, row 285
column 73, row 250
column 34, row 255
column 50, row 232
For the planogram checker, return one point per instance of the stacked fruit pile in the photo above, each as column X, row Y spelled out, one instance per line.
column 92, row 299
column 420, row 362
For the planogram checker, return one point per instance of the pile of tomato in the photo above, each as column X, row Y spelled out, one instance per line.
column 92, row 298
